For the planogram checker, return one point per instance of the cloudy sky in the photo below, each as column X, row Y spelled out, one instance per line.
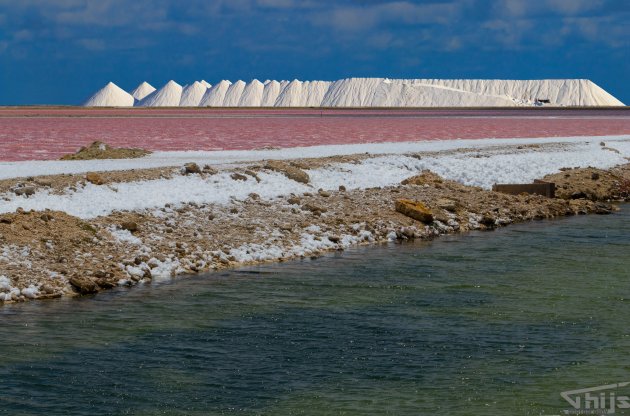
column 60, row 51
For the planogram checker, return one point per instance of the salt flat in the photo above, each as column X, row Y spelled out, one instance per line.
column 470, row 162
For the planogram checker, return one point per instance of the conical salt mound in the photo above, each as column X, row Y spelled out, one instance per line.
column 192, row 94
column 252, row 94
column 206, row 84
column 314, row 92
column 291, row 95
column 142, row 91
column 168, row 96
column 214, row 96
column 352, row 92
column 110, row 95
column 233, row 94
column 270, row 93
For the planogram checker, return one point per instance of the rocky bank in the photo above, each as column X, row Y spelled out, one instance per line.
column 51, row 254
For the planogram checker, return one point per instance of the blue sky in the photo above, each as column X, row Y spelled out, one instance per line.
column 60, row 51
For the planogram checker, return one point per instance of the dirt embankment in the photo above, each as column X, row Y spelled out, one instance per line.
column 100, row 150
column 51, row 254
column 592, row 184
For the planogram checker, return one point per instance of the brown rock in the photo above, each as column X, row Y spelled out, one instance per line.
column 105, row 284
column 291, row 172
column 425, row 178
column 447, row 204
column 25, row 190
column 47, row 289
column 94, row 178
column 313, row 208
column 103, row 274
column 191, row 168
column 440, row 216
column 323, row 193
column 83, row 285
column 414, row 209
column 578, row 195
column 409, row 232
column 342, row 188
column 603, row 209
column 238, row 177
column 209, row 170
column 252, row 174
column 129, row 226
column 487, row 220
column 294, row 200
column 579, row 206
column 43, row 182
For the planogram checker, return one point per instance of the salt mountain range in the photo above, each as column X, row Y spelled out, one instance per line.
column 360, row 92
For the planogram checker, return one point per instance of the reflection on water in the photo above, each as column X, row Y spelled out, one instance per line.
column 487, row 323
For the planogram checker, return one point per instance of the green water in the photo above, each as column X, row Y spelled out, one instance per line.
column 495, row 323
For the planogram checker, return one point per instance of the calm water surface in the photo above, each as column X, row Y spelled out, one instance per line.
column 490, row 323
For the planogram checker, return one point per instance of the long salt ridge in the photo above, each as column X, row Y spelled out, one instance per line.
column 361, row 93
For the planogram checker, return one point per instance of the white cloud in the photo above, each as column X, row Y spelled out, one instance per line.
column 521, row 8
column 283, row 4
column 368, row 24
column 572, row 7
column 354, row 18
column 601, row 30
column 92, row 44
column 23, row 34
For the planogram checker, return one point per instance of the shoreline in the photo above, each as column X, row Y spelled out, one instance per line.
column 49, row 253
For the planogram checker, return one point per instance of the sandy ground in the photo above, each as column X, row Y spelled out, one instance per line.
column 51, row 254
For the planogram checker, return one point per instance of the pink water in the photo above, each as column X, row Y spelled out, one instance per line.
column 48, row 133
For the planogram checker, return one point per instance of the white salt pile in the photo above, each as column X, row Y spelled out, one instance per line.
column 168, row 96
column 110, row 95
column 192, row 94
column 314, row 92
column 252, row 94
column 376, row 92
column 291, row 95
column 215, row 95
column 142, row 91
column 233, row 94
column 270, row 93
